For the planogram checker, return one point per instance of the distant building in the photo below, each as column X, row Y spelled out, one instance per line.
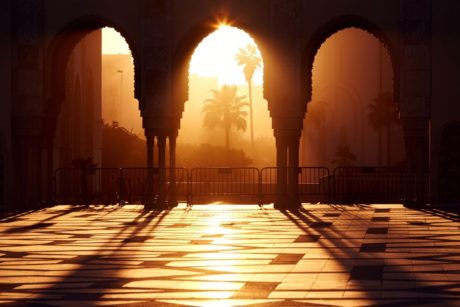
column 118, row 102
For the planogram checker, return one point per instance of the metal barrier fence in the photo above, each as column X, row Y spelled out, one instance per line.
column 372, row 184
column 112, row 185
column 314, row 184
column 225, row 184
column 248, row 185
column 101, row 185
column 268, row 179
column 134, row 184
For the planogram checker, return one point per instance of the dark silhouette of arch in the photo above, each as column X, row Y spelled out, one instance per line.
column 58, row 55
column 56, row 58
column 330, row 28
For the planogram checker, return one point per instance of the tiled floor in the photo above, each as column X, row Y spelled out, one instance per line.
column 220, row 255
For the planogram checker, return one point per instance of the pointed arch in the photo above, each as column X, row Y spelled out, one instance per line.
column 330, row 28
column 187, row 46
column 58, row 53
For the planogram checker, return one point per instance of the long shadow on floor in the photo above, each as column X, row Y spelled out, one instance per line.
column 88, row 276
column 372, row 269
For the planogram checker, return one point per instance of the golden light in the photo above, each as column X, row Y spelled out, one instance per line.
column 215, row 56
column 113, row 42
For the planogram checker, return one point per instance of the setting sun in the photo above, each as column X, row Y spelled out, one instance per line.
column 215, row 56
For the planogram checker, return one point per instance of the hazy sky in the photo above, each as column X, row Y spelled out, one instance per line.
column 113, row 42
column 214, row 56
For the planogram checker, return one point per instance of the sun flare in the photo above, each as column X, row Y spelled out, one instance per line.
column 215, row 56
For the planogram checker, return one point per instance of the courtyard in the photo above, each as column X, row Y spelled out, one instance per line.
column 231, row 255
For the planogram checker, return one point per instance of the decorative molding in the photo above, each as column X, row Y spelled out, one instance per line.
column 28, row 31
column 415, row 82
column 28, row 21
column 285, row 21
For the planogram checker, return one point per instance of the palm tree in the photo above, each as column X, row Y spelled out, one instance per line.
column 224, row 110
column 382, row 114
column 344, row 157
column 250, row 60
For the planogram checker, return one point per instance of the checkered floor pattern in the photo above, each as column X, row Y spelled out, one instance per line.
column 231, row 255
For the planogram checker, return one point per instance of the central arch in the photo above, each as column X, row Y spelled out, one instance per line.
column 330, row 28
column 244, row 146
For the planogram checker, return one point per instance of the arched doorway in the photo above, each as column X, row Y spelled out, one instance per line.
column 225, row 122
column 76, row 100
column 352, row 124
column 221, row 59
column 353, row 106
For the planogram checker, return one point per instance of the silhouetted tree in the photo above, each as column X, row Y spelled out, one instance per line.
column 121, row 148
column 224, row 110
column 250, row 60
column 206, row 155
column 382, row 114
column 344, row 157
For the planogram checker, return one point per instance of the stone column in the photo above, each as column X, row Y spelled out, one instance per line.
column 150, row 196
column 162, row 170
column 415, row 88
column 28, row 159
column 287, row 135
column 172, row 201
column 281, row 172
column 293, row 172
column 416, row 136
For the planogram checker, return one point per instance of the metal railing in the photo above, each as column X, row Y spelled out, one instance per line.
column 268, row 180
column 372, row 184
column 134, row 184
column 225, row 184
column 101, row 185
column 247, row 185
column 314, row 184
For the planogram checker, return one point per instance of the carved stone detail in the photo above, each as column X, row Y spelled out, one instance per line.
column 285, row 19
column 415, row 58
column 28, row 20
column 156, row 26
column 154, row 8
column 416, row 9
column 29, row 83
